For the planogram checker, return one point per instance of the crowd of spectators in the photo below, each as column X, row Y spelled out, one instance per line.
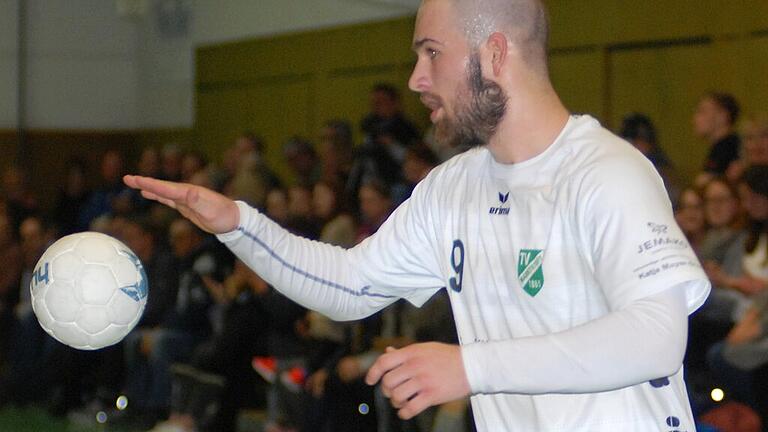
column 215, row 339
column 724, row 215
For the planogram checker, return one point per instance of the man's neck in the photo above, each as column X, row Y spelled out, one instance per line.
column 528, row 129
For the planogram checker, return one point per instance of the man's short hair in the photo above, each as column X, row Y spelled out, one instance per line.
column 524, row 22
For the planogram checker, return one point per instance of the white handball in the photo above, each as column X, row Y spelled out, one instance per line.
column 88, row 290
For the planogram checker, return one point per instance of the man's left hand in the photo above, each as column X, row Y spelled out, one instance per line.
column 419, row 376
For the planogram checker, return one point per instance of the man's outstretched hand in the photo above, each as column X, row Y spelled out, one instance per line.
column 209, row 210
column 419, row 376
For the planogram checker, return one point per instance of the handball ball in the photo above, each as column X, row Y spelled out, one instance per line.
column 88, row 290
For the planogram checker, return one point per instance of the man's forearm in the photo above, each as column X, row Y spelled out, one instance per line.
column 641, row 342
column 318, row 276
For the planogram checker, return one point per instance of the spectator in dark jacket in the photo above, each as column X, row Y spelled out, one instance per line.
column 150, row 352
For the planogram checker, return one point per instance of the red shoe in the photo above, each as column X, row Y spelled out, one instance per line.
column 266, row 367
column 294, row 378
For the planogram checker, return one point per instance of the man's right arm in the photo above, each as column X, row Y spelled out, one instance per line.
column 316, row 275
column 342, row 284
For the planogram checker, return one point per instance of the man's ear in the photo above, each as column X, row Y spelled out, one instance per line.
column 498, row 48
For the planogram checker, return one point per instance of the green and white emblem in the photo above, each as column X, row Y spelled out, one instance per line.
column 529, row 270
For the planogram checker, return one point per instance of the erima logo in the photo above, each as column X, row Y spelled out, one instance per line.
column 501, row 210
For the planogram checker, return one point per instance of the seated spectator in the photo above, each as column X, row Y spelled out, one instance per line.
column 689, row 214
column 251, row 179
column 387, row 119
column 754, row 149
column 714, row 121
column 301, row 158
column 10, row 279
column 419, row 161
column 249, row 146
column 288, row 347
column 106, row 366
column 753, row 279
column 142, row 237
column 192, row 162
column 338, row 227
column 371, row 162
column 722, row 248
column 102, row 200
column 720, row 251
column 300, row 218
column 149, row 162
column 335, row 149
column 72, row 197
column 722, row 215
column 375, row 208
column 20, row 200
column 150, row 351
column 218, row 379
column 276, row 206
column 27, row 377
column 170, row 162
column 740, row 362
column 641, row 133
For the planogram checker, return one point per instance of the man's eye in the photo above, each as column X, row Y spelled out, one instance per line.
column 431, row 53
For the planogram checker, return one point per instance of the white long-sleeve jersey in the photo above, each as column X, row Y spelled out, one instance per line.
column 569, row 280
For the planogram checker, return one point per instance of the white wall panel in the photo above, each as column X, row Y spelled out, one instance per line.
column 8, row 63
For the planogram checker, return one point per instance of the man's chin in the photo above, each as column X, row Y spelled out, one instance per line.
column 448, row 137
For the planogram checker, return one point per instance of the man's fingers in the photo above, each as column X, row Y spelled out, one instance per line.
column 130, row 180
column 160, row 188
column 414, row 406
column 154, row 197
column 404, row 392
column 392, row 379
column 384, row 364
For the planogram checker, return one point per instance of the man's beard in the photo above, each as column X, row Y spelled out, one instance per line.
column 476, row 119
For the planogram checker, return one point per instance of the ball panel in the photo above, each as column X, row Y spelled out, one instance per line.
column 123, row 309
column 95, row 285
column 37, row 291
column 69, row 334
column 62, row 245
column 125, row 271
column 110, row 336
column 130, row 274
column 61, row 302
column 66, row 266
column 96, row 248
column 43, row 315
column 93, row 319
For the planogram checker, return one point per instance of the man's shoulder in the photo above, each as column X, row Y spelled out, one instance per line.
column 598, row 153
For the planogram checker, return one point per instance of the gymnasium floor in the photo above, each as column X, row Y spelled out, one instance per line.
column 37, row 420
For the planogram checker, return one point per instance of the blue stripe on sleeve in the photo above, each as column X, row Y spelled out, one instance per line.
column 363, row 292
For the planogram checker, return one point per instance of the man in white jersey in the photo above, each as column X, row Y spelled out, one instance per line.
column 569, row 279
